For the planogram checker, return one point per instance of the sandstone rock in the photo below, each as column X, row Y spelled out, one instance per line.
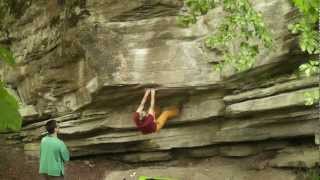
column 283, row 100
column 248, row 149
column 299, row 157
column 181, row 137
column 271, row 118
column 120, row 43
column 28, row 112
column 317, row 135
column 276, row 89
column 235, row 149
column 86, row 64
column 205, row 170
column 203, row 152
column 239, row 150
column 145, row 157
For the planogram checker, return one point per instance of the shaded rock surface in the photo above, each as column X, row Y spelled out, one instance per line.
column 303, row 157
column 208, row 169
column 86, row 64
column 17, row 165
column 191, row 173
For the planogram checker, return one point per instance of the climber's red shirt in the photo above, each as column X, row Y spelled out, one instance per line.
column 146, row 125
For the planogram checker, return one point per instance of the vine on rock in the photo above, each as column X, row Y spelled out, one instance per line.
column 309, row 37
column 241, row 27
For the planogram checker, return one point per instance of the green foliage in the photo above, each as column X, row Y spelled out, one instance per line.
column 310, row 68
column 242, row 23
column 10, row 119
column 184, row 21
column 6, row 56
column 313, row 174
column 312, row 97
column 196, row 8
column 309, row 38
column 244, row 59
column 306, row 26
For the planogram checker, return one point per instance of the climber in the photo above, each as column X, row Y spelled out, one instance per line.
column 147, row 122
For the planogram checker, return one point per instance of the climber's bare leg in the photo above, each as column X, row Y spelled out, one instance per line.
column 167, row 114
column 152, row 102
column 143, row 101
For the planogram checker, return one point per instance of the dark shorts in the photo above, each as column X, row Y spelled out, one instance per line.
column 146, row 125
column 47, row 177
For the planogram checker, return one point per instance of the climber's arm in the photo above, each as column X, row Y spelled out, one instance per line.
column 152, row 102
column 143, row 101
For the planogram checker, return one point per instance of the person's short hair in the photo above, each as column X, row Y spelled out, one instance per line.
column 51, row 125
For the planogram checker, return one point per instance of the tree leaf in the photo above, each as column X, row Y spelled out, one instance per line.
column 10, row 119
column 6, row 56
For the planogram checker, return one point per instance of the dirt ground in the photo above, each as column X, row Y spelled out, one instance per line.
column 15, row 165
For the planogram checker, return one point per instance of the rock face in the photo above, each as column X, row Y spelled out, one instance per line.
column 305, row 157
column 86, row 64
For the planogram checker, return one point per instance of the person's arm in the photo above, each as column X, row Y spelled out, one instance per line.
column 40, row 149
column 152, row 102
column 143, row 101
column 64, row 152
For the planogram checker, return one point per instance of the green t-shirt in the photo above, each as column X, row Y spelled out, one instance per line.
column 53, row 154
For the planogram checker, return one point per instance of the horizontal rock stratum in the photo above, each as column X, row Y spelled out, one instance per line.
column 86, row 64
